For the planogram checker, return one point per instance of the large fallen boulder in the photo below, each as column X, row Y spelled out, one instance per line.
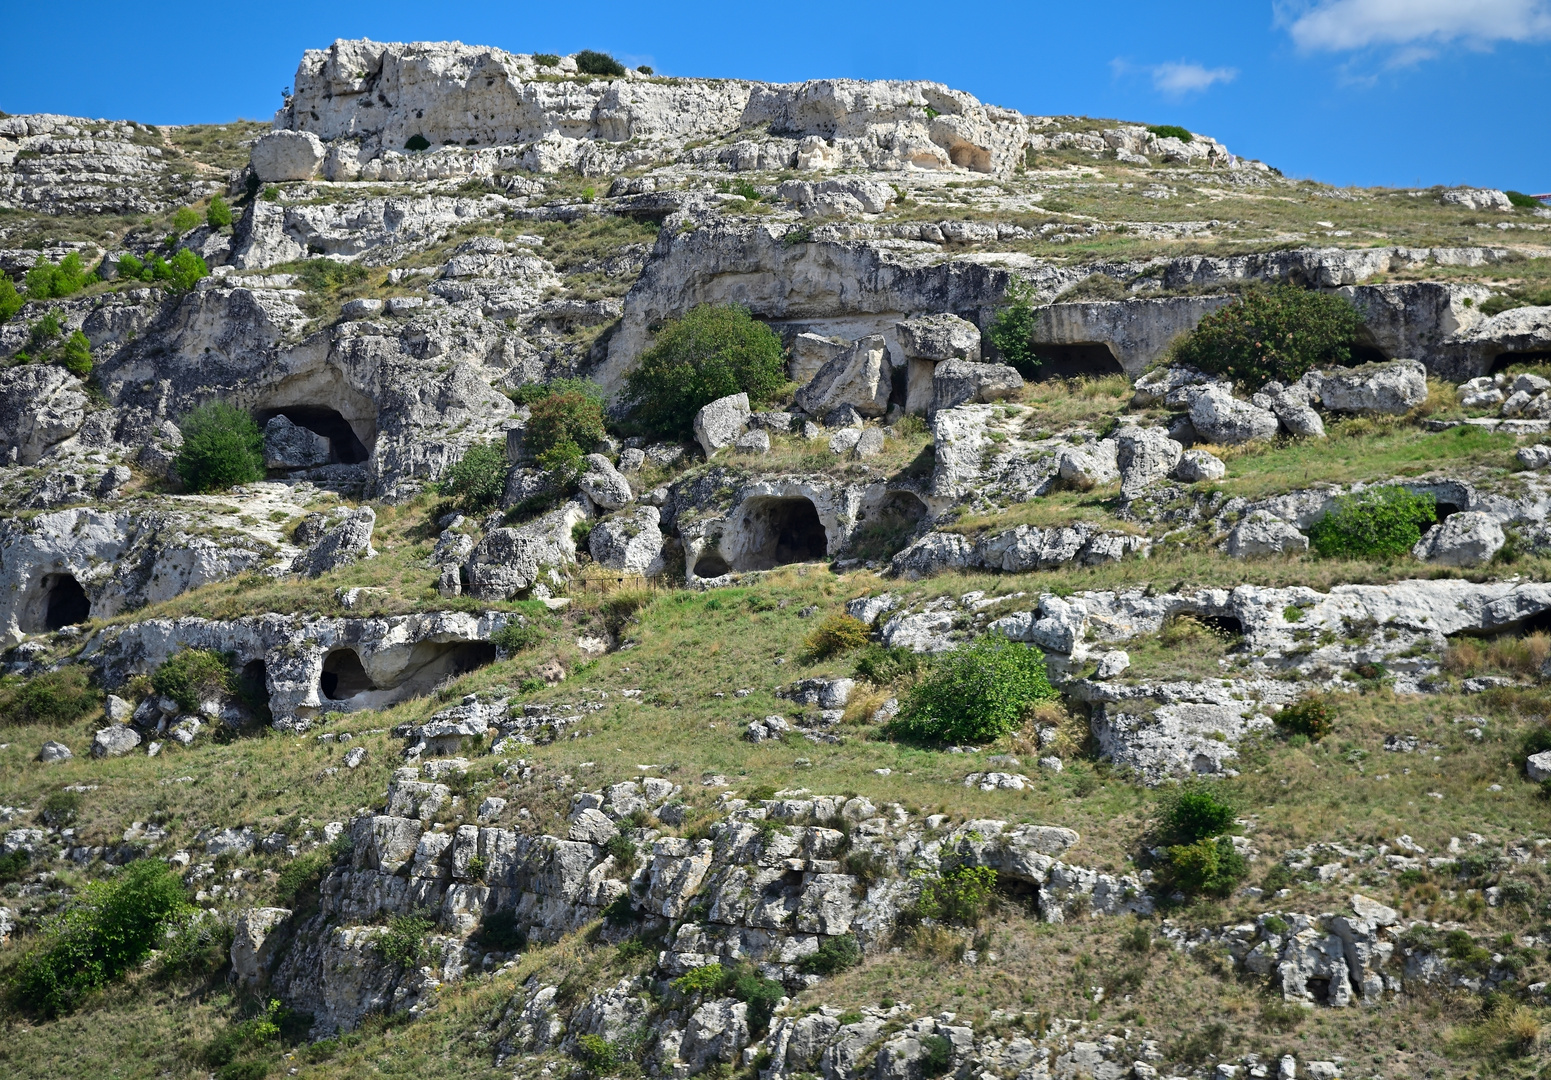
column 1219, row 417
column 1145, row 456
column 860, row 377
column 1394, row 387
column 631, row 542
column 961, row 382
column 1465, row 539
column 719, row 423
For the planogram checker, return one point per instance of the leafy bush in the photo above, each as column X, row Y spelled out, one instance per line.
column 13, row 864
column 231, row 1051
column 1523, row 201
column 713, row 351
column 516, row 637
column 646, row 69
column 180, row 274
column 198, row 944
column 61, row 808
column 565, row 416
column 416, row 143
column 1012, row 332
column 836, row 954
column 590, row 62
column 184, row 220
column 708, row 979
column 545, row 59
column 109, row 928
column 222, row 446
column 1171, row 131
column 46, row 280
column 404, row 942
column 11, row 301
column 597, row 1054
column 936, row 1055
column 1373, row 524
column 1194, row 811
column 1206, row 867
column 75, row 356
column 959, row 896
column 479, row 477
column 762, row 995
column 301, row 875
column 975, row 694
column 55, row 697
column 218, row 215
column 1312, row 717
column 193, row 676
column 882, row 665
column 1272, row 332
column 836, row 634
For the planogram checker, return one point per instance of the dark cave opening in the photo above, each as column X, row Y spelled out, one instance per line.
column 343, row 675
column 66, row 603
column 1088, row 359
column 781, row 531
column 345, row 447
column 711, row 565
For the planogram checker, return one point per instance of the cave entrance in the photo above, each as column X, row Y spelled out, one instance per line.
column 1223, row 624
column 1089, row 359
column 900, row 508
column 1442, row 511
column 711, row 565
column 1366, row 354
column 64, row 602
column 777, row 531
column 1503, row 361
column 343, row 676
column 345, row 447
column 253, row 689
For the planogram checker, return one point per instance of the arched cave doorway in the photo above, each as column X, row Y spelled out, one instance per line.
column 343, row 676
column 1366, row 354
column 1085, row 360
column 711, row 565
column 60, row 602
column 900, row 508
column 345, row 447
column 253, row 689
column 776, row 531
column 1503, row 361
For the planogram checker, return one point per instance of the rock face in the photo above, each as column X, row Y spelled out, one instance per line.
column 40, row 406
column 858, row 377
column 631, row 542
column 1262, row 534
column 290, row 446
column 960, row 382
column 1396, row 387
column 926, row 342
column 255, row 945
column 287, row 155
column 71, row 165
column 1219, row 417
column 1144, row 457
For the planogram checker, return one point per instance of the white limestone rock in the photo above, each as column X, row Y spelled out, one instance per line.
column 115, row 740
column 1262, row 534
column 54, row 751
column 719, row 423
column 1395, row 387
column 1537, row 456
column 1197, row 466
column 1144, row 456
column 1086, row 467
column 604, row 484
column 344, row 543
column 629, row 542
column 753, row 442
column 1469, row 538
column 1477, row 199
column 287, row 155
column 1538, row 766
column 961, row 382
column 859, row 377
column 1219, row 417
column 255, row 944
column 291, row 446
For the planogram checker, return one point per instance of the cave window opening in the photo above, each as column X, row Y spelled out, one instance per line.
column 1504, row 361
column 1223, row 624
column 253, row 688
column 1086, row 360
column 901, row 508
column 781, row 531
column 65, row 602
column 1538, row 623
column 343, row 676
column 1444, row 510
column 345, row 447
column 1365, row 354
column 711, row 565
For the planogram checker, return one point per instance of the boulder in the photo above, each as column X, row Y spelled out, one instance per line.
column 1087, row 466
column 54, row 751
column 629, row 542
column 254, row 944
column 721, row 422
column 963, row 382
column 291, row 446
column 115, row 740
column 1196, row 466
column 1262, row 534
column 810, row 352
column 287, row 155
column 1219, row 417
column 871, row 443
column 859, row 377
column 1395, row 387
column 1292, row 407
column 1538, row 766
column 339, row 546
column 928, row 341
column 1465, row 539
column 752, row 442
column 1534, row 457
column 1144, row 457
column 604, row 484
column 1477, row 199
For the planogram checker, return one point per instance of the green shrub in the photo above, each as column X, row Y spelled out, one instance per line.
column 222, row 446
column 218, row 215
column 1171, row 131
column 256, row 1035
column 46, row 280
column 416, row 143
column 528, row 393
column 1311, row 717
column 545, row 59
column 322, row 275
column 301, row 876
column 589, row 62
column 55, row 697
column 200, row 943
column 404, row 942
column 1523, row 201
column 75, row 356
column 597, row 1053
column 184, row 220
column 836, row 954
column 1012, row 332
column 959, row 896
column 13, row 864
column 515, row 637
column 1194, row 811
column 193, row 676
column 711, row 979
column 1206, row 867
column 975, row 694
column 11, row 301
column 762, row 995
column 60, row 808
column 838, row 633
column 1272, row 332
column 567, row 416
column 478, row 479
column 180, row 274
column 882, row 665
column 713, row 351
column 108, row 929
column 248, row 1069
column 646, row 69
column 936, row 1055
column 1373, row 524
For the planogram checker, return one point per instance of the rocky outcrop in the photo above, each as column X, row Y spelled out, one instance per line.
column 859, row 377
column 71, row 165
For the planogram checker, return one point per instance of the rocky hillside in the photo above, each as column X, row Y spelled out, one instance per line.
column 524, row 567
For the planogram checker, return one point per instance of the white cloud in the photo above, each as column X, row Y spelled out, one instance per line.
column 1413, row 25
column 1176, row 80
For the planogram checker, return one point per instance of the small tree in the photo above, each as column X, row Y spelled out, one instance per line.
column 478, row 479
column 11, row 301
column 959, row 896
column 712, row 352
column 1272, row 332
column 1372, row 524
column 589, row 62
column 218, row 215
column 222, row 446
column 838, row 633
column 193, row 676
column 1012, row 332
column 567, row 416
column 184, row 220
column 76, row 355
column 47, row 280
column 1194, row 811
column 975, row 694
column 185, row 270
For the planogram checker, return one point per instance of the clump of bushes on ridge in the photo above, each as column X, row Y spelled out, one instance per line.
column 1272, row 332
column 975, row 694
column 222, row 447
column 712, row 352
column 1377, row 523
column 592, row 62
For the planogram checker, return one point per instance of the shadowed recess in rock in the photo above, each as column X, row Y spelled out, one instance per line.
column 345, row 447
column 777, row 531
column 1075, row 361
column 60, row 602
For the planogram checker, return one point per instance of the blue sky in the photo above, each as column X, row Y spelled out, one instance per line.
column 1348, row 91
